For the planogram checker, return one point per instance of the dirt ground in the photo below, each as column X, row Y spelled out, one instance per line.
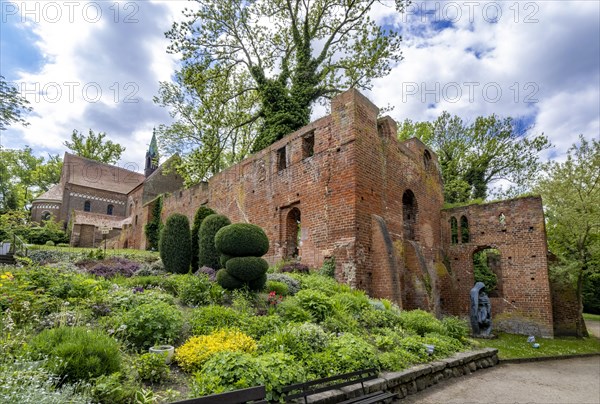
column 566, row 381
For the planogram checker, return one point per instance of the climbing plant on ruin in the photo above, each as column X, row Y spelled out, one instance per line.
column 474, row 156
column 253, row 70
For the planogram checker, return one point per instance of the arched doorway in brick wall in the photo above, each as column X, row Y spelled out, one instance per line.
column 409, row 214
column 487, row 268
column 292, row 233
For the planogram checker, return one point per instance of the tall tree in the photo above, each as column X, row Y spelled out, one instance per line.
column 571, row 196
column 474, row 156
column 93, row 146
column 23, row 176
column 271, row 60
column 13, row 106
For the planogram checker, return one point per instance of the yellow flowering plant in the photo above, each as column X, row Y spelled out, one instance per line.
column 198, row 349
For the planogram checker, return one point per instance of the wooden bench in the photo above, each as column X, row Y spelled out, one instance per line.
column 303, row 390
column 255, row 395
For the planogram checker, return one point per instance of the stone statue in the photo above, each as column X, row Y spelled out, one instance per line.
column 481, row 311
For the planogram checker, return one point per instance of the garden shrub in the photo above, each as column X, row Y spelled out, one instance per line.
column 258, row 284
column 77, row 353
column 115, row 267
column 153, row 228
column 318, row 282
column 242, row 240
column 293, row 285
column 444, row 345
column 202, row 213
column 49, row 243
column 291, row 310
column 328, row 268
column 198, row 349
column 396, row 360
column 299, row 340
column 340, row 322
column 35, row 384
column 175, row 244
column 115, row 388
column 247, row 269
column 152, row 324
column 223, row 259
column 295, row 267
column 420, row 322
column 210, row 272
column 258, row 326
column 193, row 290
column 240, row 246
column 151, row 367
column 227, row 281
column 352, row 303
column 456, row 328
column 227, row 371
column 317, row 303
column 346, row 353
column 279, row 288
column 208, row 254
column 415, row 345
column 63, row 245
column 205, row 320
column 371, row 318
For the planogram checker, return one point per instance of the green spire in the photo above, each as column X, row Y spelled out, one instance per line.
column 153, row 149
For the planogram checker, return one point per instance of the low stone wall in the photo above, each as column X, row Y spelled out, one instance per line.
column 417, row 378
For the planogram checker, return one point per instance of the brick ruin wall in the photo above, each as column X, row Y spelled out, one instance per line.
column 349, row 192
column 516, row 229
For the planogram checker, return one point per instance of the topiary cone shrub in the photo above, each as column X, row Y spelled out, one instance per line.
column 175, row 244
column 208, row 256
column 202, row 213
column 241, row 245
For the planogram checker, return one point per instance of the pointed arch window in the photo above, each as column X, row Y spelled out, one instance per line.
column 465, row 236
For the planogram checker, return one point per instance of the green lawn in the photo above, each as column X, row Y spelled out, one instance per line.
column 109, row 251
column 512, row 346
column 589, row 316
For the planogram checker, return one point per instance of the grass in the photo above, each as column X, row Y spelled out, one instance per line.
column 590, row 316
column 109, row 251
column 512, row 346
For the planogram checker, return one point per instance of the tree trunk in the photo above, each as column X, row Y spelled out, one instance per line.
column 579, row 330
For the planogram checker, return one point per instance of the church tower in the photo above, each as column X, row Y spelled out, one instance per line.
column 151, row 156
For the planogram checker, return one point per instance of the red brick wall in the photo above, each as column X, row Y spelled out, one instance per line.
column 525, row 305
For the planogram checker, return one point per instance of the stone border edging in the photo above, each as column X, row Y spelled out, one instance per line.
column 548, row 358
column 416, row 378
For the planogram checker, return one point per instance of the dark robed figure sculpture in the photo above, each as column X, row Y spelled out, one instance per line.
column 481, row 311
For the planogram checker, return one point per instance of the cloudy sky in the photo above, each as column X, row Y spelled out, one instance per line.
column 97, row 64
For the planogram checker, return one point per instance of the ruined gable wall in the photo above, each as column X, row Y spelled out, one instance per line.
column 386, row 169
column 524, row 305
column 259, row 191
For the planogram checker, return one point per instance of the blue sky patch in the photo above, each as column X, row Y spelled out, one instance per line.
column 18, row 51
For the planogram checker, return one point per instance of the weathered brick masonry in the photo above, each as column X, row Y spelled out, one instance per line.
column 358, row 195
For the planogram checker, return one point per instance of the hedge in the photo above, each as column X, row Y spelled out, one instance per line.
column 208, row 255
column 175, row 244
column 242, row 240
column 247, row 268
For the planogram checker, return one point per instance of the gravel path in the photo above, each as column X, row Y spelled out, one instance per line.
column 566, row 381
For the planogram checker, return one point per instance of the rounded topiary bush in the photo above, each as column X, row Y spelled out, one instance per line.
column 247, row 268
column 77, row 353
column 259, row 283
column 202, row 213
column 208, row 254
column 224, row 258
column 242, row 240
column 227, row 281
column 175, row 244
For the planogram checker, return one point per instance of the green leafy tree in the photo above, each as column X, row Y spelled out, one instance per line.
column 23, row 176
column 93, row 146
column 13, row 107
column 571, row 195
column 246, row 83
column 202, row 213
column 175, row 244
column 474, row 156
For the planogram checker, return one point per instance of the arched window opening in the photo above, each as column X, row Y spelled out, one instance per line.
column 464, row 230
column 293, row 231
column 87, row 206
column 109, row 209
column 409, row 214
column 427, row 159
column 487, row 268
column 454, row 230
column 46, row 215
